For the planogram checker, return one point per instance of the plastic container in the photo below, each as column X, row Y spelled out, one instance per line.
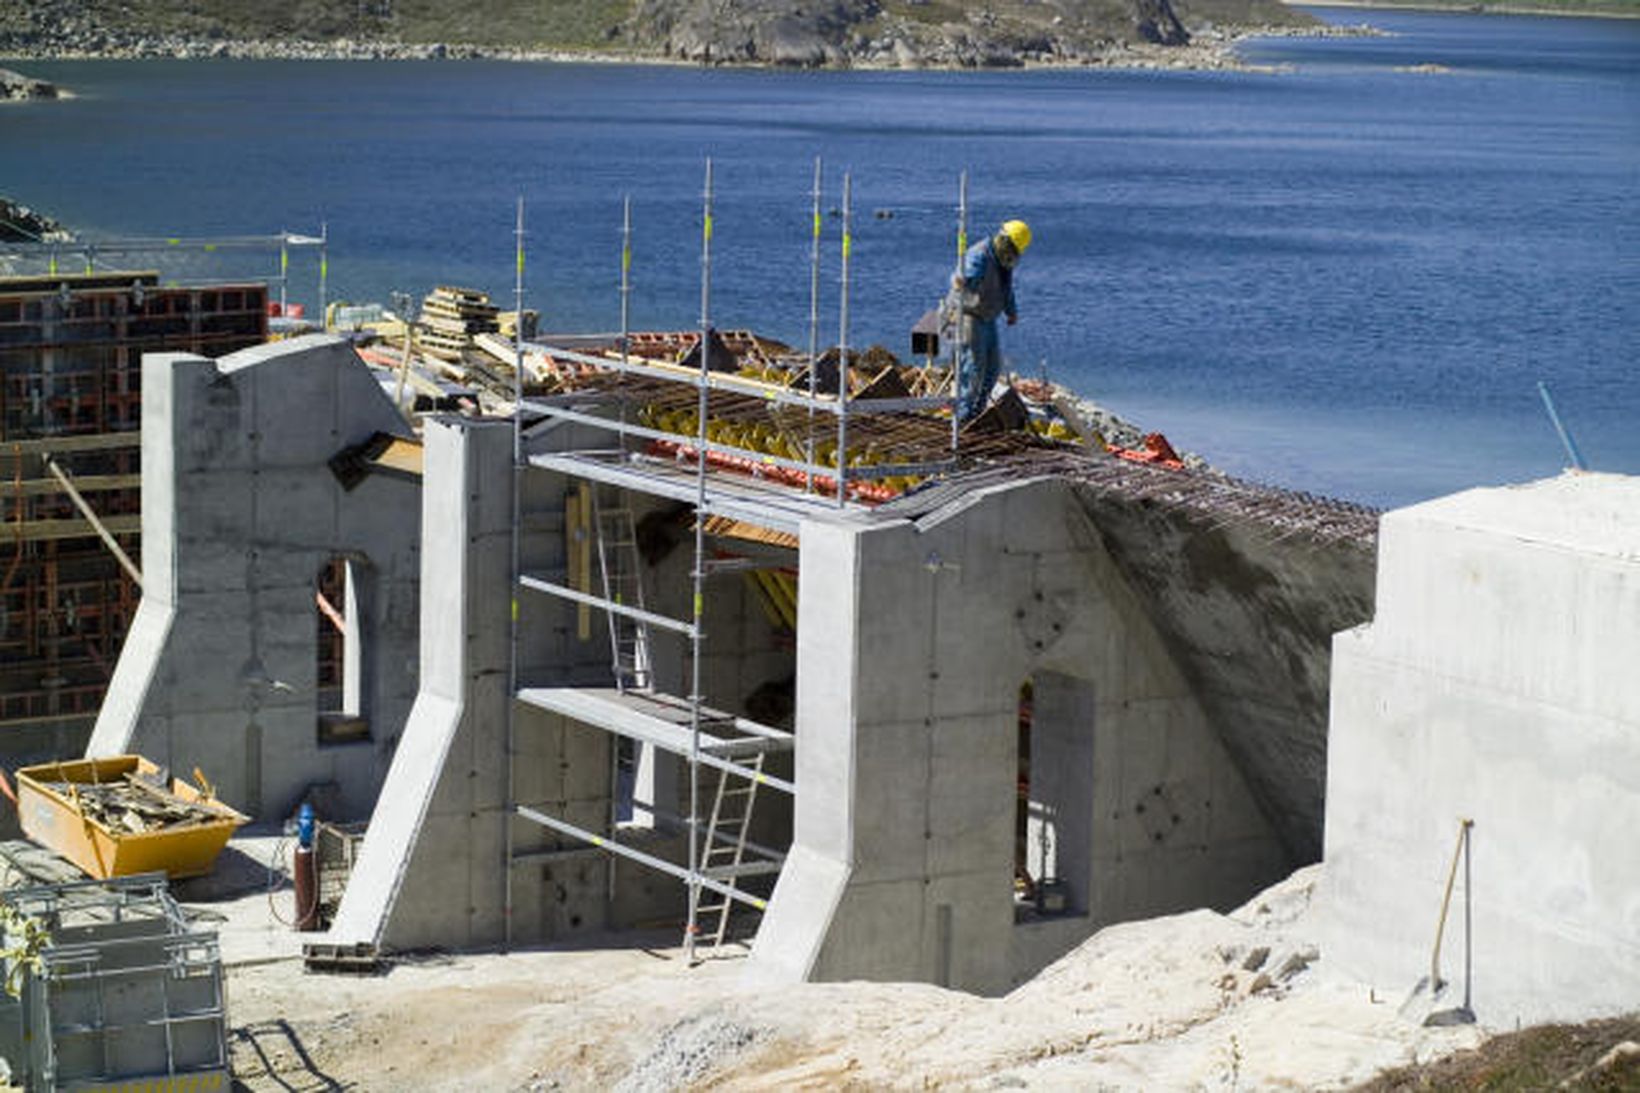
column 55, row 821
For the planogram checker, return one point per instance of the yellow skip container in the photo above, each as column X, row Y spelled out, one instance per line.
column 55, row 802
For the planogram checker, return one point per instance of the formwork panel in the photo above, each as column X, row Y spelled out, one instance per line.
column 70, row 383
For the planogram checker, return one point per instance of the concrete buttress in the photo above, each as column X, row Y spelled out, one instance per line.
column 241, row 515
column 915, row 642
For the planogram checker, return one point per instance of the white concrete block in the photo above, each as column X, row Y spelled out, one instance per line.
column 1506, row 730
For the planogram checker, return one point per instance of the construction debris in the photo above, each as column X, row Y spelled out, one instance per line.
column 137, row 803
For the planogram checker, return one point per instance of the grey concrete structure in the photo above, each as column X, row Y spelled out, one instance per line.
column 241, row 513
column 1496, row 684
column 431, row 864
column 1247, row 609
column 916, row 638
column 920, row 628
column 432, row 869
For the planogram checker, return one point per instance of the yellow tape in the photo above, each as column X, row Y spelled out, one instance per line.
column 210, row 248
column 284, row 260
column 54, row 265
column 521, row 261
column 173, row 242
column 626, row 259
column 324, row 265
column 515, row 609
column 817, row 223
column 698, row 605
column 707, row 227
column 848, row 244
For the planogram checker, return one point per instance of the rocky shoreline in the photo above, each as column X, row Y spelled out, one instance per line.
column 1209, row 49
column 15, row 87
column 21, row 224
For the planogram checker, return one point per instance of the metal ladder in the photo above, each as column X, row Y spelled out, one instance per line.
column 622, row 572
column 723, row 859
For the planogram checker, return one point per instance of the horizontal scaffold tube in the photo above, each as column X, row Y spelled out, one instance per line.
column 604, row 843
column 663, row 621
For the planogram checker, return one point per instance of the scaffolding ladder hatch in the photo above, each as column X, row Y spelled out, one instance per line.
column 661, row 720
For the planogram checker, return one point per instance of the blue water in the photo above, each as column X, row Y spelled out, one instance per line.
column 1343, row 278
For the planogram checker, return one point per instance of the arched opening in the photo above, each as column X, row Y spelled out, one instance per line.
column 342, row 595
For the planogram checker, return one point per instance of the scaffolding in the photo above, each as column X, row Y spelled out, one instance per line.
column 54, row 257
column 679, row 432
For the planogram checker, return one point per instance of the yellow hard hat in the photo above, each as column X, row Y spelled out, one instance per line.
column 1018, row 233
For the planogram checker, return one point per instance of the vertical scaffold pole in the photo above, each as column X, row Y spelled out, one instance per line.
column 324, row 266
column 626, row 338
column 284, row 272
column 695, row 639
column 626, row 274
column 814, row 326
column 512, row 632
column 961, row 318
column 626, row 312
column 842, row 349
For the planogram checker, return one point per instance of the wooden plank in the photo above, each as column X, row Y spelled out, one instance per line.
column 82, row 442
column 90, row 483
column 37, row 531
column 96, row 521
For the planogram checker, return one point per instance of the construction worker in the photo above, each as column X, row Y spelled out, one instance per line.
column 980, row 291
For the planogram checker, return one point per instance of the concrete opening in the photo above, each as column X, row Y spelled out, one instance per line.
column 1054, row 806
column 1024, row 879
column 342, row 655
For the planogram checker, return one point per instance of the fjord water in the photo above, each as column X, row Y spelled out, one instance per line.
column 1345, row 277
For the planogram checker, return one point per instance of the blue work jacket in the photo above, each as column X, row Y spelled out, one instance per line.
column 988, row 285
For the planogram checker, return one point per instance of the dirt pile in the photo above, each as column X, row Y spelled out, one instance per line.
column 1198, row 1000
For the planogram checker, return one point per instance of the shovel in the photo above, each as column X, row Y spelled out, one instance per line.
column 1428, row 990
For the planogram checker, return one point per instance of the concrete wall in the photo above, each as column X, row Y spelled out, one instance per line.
column 430, row 872
column 1248, row 608
column 913, row 642
column 1496, row 683
column 240, row 512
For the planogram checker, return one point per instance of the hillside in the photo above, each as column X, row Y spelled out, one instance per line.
column 886, row 33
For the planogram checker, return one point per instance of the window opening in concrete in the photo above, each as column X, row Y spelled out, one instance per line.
column 1024, row 881
column 1054, row 796
column 341, row 593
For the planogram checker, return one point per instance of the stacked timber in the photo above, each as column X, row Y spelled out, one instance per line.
column 450, row 317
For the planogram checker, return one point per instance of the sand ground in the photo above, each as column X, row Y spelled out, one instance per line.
column 1191, row 1001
